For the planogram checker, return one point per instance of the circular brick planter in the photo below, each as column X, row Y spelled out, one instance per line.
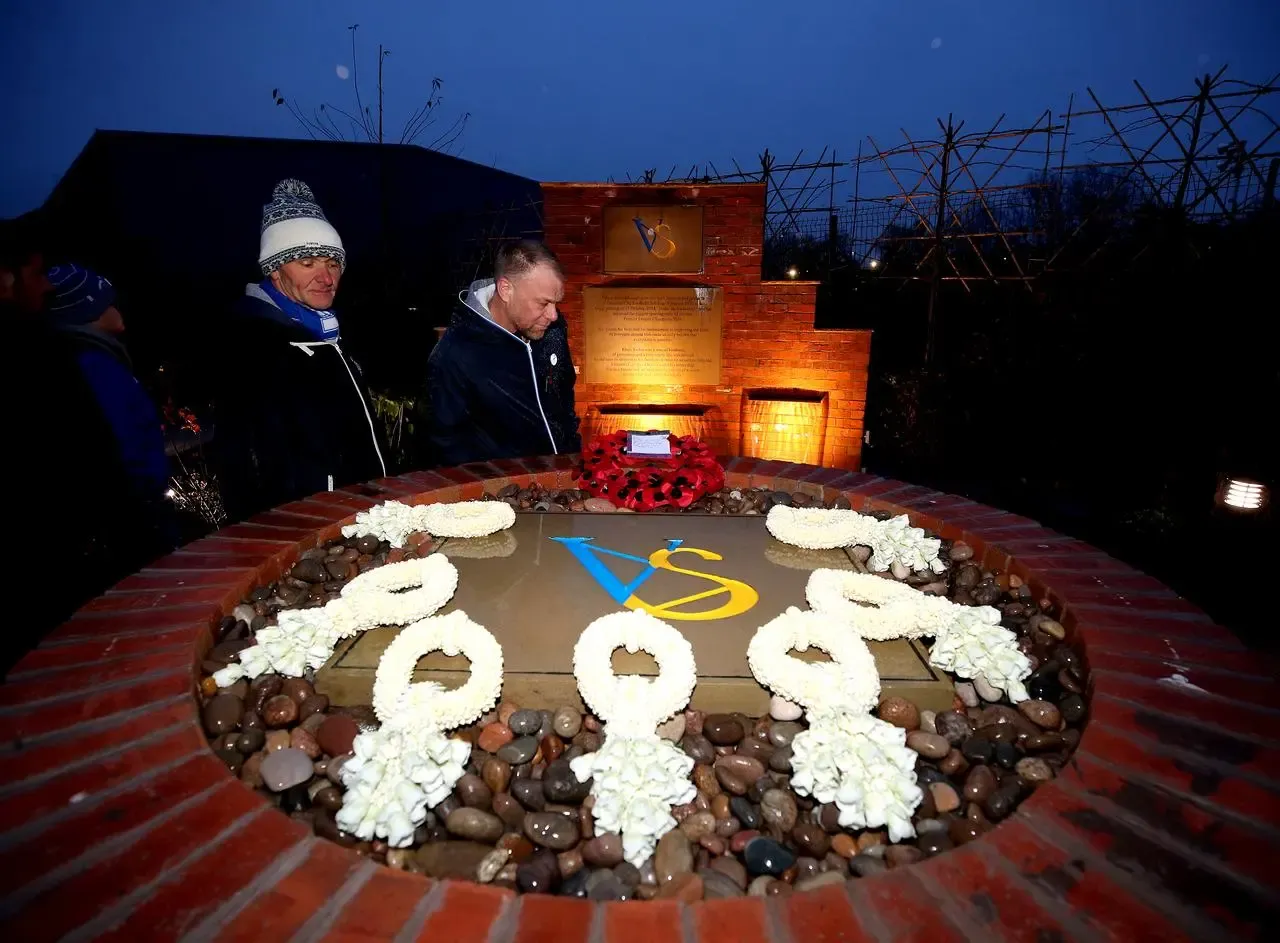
column 116, row 821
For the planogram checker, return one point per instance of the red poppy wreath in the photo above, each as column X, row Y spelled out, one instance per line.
column 642, row 483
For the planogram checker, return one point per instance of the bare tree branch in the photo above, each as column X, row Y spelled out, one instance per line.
column 363, row 124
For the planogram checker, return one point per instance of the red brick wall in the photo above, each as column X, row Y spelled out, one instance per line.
column 769, row 337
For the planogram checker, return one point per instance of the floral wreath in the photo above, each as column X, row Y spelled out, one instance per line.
column 636, row 776
column 846, row 756
column 643, row 483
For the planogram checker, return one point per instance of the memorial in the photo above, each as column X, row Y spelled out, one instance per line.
column 93, row 702
column 653, row 336
column 536, row 586
column 670, row 317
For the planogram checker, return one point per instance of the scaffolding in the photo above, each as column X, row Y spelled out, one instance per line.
column 798, row 194
column 1005, row 205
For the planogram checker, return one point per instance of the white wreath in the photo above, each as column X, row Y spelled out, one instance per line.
column 404, row 592
column 395, row 697
column 637, row 776
column 969, row 640
column 892, row 541
column 846, row 756
column 303, row 639
column 815, row 528
column 848, row 682
column 467, row 518
column 408, row 765
column 874, row 607
column 394, row 521
column 633, row 704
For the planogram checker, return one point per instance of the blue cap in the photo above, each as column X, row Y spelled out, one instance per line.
column 80, row 296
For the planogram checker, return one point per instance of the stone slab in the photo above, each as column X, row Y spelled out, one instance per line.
column 539, row 584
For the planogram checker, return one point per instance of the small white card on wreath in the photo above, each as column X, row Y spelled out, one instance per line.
column 656, row 444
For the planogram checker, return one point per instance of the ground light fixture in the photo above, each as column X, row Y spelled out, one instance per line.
column 1242, row 494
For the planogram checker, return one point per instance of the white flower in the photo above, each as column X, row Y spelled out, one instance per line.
column 303, row 639
column 892, row 541
column 632, row 704
column 408, row 766
column 849, row 682
column 427, row 703
column 638, row 776
column 877, row 609
column 896, row 541
column 395, row 775
column 400, row 593
column 394, row 521
column 468, row 518
column 637, row 781
column 969, row 641
column 846, row 756
column 391, row 521
column 974, row 643
column 863, row 765
column 225, row 677
column 814, row 528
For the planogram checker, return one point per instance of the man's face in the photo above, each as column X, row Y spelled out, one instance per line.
column 531, row 300
column 312, row 282
column 26, row 287
column 111, row 321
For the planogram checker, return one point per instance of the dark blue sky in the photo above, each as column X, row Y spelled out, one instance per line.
column 570, row 89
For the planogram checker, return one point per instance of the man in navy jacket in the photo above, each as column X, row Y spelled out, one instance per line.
column 501, row 378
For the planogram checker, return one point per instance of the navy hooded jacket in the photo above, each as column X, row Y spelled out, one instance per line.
column 293, row 413
column 494, row 394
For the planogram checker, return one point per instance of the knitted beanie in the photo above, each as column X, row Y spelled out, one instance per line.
column 80, row 296
column 294, row 227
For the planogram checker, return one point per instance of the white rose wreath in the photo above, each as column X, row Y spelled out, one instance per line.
column 969, row 640
column 892, row 541
column 394, row 521
column 303, row 639
column 638, row 776
column 393, row 594
column 408, row 766
column 848, row 757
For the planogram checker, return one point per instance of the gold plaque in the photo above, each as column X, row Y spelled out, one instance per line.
column 647, row 240
column 653, row 336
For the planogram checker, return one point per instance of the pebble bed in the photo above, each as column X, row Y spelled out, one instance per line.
column 519, row 818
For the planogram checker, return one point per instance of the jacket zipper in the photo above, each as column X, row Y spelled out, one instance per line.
column 305, row 347
column 538, row 396
column 373, row 435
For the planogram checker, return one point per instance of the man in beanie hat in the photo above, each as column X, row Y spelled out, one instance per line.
column 292, row 413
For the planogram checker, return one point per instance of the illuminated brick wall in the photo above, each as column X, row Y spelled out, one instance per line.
column 769, row 338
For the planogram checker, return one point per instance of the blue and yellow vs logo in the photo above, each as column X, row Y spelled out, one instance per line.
column 741, row 596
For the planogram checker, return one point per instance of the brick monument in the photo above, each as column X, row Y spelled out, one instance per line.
column 767, row 384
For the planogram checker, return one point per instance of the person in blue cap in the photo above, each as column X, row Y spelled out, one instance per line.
column 83, row 311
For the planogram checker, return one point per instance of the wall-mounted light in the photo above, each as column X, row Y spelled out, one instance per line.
column 793, row 272
column 1242, row 494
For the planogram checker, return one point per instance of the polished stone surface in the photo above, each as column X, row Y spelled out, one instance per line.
column 534, row 589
